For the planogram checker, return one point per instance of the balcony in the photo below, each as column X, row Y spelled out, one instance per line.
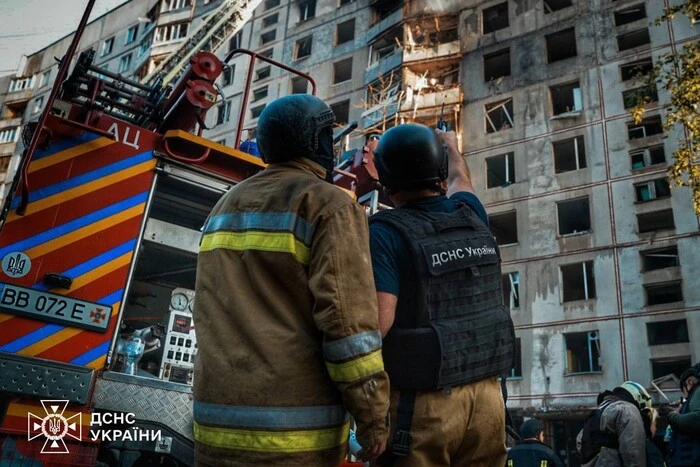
column 428, row 53
column 7, row 149
column 165, row 48
column 384, row 65
column 432, row 97
column 10, row 122
column 391, row 20
column 18, row 97
column 174, row 16
column 380, row 113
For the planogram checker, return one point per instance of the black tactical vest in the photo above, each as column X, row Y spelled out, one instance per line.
column 451, row 327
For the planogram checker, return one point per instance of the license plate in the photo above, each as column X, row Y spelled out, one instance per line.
column 53, row 307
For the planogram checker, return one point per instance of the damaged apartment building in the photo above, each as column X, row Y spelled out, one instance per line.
column 600, row 253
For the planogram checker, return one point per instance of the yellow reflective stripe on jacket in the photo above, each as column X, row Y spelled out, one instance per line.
column 272, row 441
column 282, row 242
column 356, row 369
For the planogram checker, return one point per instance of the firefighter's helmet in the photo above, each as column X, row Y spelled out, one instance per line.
column 638, row 393
column 300, row 125
column 410, row 156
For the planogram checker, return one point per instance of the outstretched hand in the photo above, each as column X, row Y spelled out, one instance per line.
column 370, row 453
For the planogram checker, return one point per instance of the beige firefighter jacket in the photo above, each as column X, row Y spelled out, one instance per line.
column 286, row 322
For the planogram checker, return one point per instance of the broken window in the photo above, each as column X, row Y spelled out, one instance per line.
column 270, row 20
column 561, row 45
column 569, row 154
column 633, row 39
column 500, row 170
column 383, row 90
column 262, row 73
column 235, row 41
column 504, row 227
column 271, row 4
column 517, row 370
column 227, row 78
column 647, row 127
column 260, row 93
column 669, row 366
column 302, row 48
column 223, row 112
column 256, row 111
column 657, row 220
column 499, row 116
column 582, row 352
column 341, row 110
column 495, row 18
column 381, row 10
column 345, row 32
column 511, row 289
column 307, row 10
column 651, row 190
column 574, row 216
column 497, row 64
column 342, row 71
column 667, row 292
column 636, row 69
column 299, row 85
column 659, row 258
column 577, row 281
column 268, row 37
column 385, row 46
column 566, row 98
column 556, row 5
column 630, row 14
column 642, row 95
column 667, row 332
column 432, row 33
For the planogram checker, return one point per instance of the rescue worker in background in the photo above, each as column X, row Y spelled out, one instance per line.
column 531, row 450
column 684, row 447
column 289, row 339
column 438, row 278
column 618, row 438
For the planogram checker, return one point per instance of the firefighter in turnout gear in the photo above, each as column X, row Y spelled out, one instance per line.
column 289, row 340
column 448, row 336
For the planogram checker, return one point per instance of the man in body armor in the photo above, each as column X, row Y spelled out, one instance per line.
column 447, row 335
column 684, row 447
column 288, row 335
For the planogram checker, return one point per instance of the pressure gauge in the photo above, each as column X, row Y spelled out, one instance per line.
column 179, row 301
column 191, row 305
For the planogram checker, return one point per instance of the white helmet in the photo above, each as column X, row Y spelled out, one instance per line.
column 638, row 393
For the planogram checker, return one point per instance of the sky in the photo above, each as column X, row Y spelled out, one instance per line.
column 29, row 25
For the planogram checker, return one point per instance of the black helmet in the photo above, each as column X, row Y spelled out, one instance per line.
column 300, row 125
column 410, row 156
column 692, row 371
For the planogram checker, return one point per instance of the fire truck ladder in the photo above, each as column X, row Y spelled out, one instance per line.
column 225, row 21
